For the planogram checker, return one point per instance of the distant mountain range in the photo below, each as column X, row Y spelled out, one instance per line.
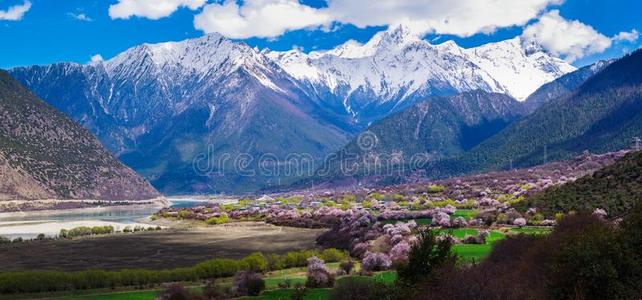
column 165, row 108
column 45, row 155
column 396, row 68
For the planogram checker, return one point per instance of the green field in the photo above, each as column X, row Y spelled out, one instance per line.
column 472, row 252
column 465, row 213
column 532, row 230
column 142, row 295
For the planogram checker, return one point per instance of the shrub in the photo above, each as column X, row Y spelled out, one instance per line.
column 4, row 240
column 333, row 255
column 212, row 291
column 521, row 222
column 218, row 220
column 41, row 237
column 399, row 253
column 299, row 292
column 434, row 188
column 373, row 262
column 318, row 274
column 255, row 262
column 347, row 266
column 377, row 196
column 367, row 204
column 175, row 292
column 424, row 257
column 248, row 283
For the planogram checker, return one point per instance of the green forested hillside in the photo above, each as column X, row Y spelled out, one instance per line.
column 616, row 189
column 604, row 114
column 435, row 129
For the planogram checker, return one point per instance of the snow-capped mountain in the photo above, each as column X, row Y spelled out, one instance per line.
column 160, row 106
column 396, row 68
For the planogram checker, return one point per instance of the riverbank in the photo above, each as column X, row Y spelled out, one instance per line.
column 29, row 224
column 44, row 205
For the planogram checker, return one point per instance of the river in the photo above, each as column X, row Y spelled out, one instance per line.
column 29, row 224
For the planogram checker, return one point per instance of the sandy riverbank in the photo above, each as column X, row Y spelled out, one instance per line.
column 44, row 205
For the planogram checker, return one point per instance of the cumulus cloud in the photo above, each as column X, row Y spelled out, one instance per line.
column 16, row 12
column 96, row 59
column 569, row 39
column 269, row 18
column 462, row 18
column 259, row 18
column 631, row 36
column 151, row 9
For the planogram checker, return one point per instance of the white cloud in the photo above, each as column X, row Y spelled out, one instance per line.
column 151, row 9
column 16, row 12
column 259, row 18
column 80, row 17
column 569, row 39
column 96, row 58
column 269, row 18
column 461, row 18
column 630, row 37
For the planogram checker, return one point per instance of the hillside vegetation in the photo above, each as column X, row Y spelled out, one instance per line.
column 616, row 189
column 603, row 115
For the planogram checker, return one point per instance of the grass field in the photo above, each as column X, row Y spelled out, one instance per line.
column 472, row 252
column 532, row 230
column 465, row 213
column 142, row 295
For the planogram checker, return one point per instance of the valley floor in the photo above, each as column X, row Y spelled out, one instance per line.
column 155, row 250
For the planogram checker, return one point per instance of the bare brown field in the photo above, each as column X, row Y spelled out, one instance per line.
column 155, row 250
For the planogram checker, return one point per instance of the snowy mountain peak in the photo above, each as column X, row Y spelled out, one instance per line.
column 518, row 65
column 395, row 36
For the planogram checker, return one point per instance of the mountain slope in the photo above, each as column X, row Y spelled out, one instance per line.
column 44, row 155
column 162, row 108
column 563, row 86
column 430, row 130
column 604, row 114
column 616, row 189
column 165, row 107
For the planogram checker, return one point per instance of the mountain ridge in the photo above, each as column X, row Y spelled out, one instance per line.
column 45, row 155
column 228, row 98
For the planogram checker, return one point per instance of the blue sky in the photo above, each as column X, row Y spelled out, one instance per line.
column 48, row 31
